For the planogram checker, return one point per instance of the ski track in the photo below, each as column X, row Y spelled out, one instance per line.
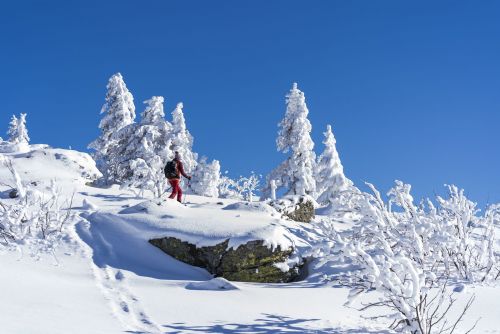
column 113, row 284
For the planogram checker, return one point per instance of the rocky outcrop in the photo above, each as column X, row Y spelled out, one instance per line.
column 303, row 212
column 297, row 208
column 249, row 262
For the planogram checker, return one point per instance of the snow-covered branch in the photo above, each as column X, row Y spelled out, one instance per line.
column 410, row 253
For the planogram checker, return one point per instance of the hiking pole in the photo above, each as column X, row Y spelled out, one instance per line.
column 185, row 194
column 165, row 191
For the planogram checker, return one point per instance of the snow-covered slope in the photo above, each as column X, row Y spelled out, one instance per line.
column 42, row 164
column 105, row 278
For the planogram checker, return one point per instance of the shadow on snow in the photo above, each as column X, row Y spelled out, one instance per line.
column 269, row 323
column 121, row 245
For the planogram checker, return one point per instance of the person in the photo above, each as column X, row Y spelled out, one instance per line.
column 175, row 180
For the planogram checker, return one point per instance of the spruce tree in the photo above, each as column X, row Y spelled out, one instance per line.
column 147, row 150
column 182, row 140
column 119, row 112
column 206, row 178
column 330, row 178
column 18, row 133
column 296, row 173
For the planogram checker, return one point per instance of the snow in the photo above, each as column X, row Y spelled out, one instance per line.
column 252, row 207
column 104, row 277
column 202, row 224
column 214, row 284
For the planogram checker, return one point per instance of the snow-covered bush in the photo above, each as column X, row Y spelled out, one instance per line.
column 119, row 112
column 242, row 188
column 246, row 186
column 205, row 178
column 410, row 254
column 227, row 188
column 468, row 250
column 34, row 219
column 296, row 174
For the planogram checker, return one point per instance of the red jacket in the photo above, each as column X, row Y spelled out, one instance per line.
column 180, row 170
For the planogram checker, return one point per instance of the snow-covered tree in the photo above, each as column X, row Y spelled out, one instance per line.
column 227, row 188
column 18, row 133
column 12, row 131
column 206, row 178
column 296, row 174
column 182, row 140
column 242, row 188
column 147, row 150
column 119, row 112
column 330, row 178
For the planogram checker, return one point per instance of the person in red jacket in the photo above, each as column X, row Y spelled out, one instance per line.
column 175, row 181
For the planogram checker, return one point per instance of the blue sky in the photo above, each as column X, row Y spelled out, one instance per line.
column 411, row 88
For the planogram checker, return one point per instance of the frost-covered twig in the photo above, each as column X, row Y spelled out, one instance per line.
column 34, row 218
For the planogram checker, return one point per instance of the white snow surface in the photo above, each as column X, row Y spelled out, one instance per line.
column 214, row 284
column 204, row 224
column 106, row 278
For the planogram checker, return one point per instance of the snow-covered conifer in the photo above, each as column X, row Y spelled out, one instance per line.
column 18, row 133
column 147, row 150
column 182, row 140
column 12, row 131
column 330, row 178
column 119, row 112
column 206, row 178
column 296, row 175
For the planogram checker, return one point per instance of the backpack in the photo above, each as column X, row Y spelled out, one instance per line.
column 170, row 170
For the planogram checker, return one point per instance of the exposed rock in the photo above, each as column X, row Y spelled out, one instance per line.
column 300, row 209
column 250, row 262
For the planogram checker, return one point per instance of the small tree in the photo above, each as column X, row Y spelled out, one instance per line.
column 227, row 188
column 246, row 186
column 18, row 133
column 206, row 178
column 297, row 174
column 182, row 140
column 330, row 178
column 242, row 188
column 119, row 112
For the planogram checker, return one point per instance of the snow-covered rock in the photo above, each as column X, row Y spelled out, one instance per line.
column 238, row 244
column 297, row 208
column 249, row 262
column 42, row 164
column 215, row 284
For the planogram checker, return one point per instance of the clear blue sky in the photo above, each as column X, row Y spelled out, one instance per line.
column 411, row 88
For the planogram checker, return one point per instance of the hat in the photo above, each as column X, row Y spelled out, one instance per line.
column 177, row 155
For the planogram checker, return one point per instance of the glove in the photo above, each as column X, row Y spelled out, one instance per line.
column 189, row 178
